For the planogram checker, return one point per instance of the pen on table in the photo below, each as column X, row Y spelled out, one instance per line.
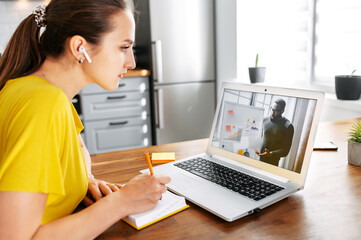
column 149, row 163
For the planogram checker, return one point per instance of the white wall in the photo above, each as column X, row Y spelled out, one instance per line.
column 11, row 14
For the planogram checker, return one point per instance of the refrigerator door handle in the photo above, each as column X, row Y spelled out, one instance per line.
column 159, row 112
column 157, row 61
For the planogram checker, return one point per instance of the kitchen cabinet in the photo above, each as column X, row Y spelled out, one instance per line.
column 119, row 119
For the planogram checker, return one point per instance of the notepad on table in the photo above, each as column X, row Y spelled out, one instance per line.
column 163, row 157
column 169, row 204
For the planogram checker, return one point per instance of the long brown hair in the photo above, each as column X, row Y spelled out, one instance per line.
column 25, row 53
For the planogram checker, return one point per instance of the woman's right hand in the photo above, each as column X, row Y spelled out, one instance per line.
column 142, row 192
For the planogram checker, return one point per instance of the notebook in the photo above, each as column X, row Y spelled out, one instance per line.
column 258, row 152
column 169, row 205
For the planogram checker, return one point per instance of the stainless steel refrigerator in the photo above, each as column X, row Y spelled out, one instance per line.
column 183, row 68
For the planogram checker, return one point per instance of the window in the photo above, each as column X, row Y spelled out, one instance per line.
column 299, row 41
column 337, row 39
column 280, row 32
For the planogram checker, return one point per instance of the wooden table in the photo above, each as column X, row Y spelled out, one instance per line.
column 328, row 208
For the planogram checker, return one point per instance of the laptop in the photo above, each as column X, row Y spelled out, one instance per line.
column 258, row 152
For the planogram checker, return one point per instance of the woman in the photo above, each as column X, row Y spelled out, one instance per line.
column 44, row 166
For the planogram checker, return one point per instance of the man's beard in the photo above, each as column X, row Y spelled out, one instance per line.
column 275, row 119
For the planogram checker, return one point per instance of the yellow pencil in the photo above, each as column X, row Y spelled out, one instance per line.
column 149, row 163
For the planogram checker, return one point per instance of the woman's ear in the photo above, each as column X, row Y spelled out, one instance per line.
column 75, row 44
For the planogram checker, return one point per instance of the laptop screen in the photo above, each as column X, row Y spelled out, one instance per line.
column 270, row 128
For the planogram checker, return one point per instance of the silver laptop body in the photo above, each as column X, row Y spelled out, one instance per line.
column 241, row 128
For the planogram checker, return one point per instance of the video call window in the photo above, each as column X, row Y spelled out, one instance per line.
column 265, row 127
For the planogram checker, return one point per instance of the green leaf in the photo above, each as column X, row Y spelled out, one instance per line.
column 352, row 73
column 355, row 133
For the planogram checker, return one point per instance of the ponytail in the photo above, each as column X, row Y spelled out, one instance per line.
column 22, row 55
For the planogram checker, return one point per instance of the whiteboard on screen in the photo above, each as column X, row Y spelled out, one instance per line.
column 241, row 126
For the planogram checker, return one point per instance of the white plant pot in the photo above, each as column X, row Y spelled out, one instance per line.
column 354, row 153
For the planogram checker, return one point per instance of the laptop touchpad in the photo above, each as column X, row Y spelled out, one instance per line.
column 182, row 181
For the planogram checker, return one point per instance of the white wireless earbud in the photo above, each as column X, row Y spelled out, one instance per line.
column 82, row 50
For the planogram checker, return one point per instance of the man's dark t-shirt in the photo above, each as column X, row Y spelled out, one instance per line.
column 277, row 138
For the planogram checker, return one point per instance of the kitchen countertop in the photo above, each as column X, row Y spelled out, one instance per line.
column 138, row 72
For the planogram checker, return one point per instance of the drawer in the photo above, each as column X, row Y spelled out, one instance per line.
column 138, row 84
column 113, row 105
column 117, row 134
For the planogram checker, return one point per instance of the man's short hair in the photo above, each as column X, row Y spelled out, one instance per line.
column 281, row 103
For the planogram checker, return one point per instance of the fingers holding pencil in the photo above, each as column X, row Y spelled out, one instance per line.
column 164, row 178
column 144, row 191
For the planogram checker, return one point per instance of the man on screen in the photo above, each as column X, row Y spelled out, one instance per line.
column 277, row 135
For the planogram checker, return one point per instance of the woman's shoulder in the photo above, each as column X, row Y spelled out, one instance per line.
column 37, row 90
column 33, row 84
column 35, row 94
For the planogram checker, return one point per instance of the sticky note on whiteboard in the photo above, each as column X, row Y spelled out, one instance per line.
column 163, row 157
column 228, row 128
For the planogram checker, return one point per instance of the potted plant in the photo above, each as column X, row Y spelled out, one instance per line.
column 354, row 145
column 257, row 74
column 348, row 87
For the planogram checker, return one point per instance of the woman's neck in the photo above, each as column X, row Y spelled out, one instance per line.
column 64, row 74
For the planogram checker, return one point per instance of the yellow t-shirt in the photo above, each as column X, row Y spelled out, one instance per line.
column 39, row 146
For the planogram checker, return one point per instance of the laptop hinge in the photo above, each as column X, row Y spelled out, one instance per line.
column 253, row 169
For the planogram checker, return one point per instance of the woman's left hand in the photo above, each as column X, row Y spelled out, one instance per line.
column 98, row 189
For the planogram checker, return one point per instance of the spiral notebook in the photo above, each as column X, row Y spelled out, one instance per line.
column 169, row 205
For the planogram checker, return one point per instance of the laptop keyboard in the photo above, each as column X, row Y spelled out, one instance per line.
column 251, row 187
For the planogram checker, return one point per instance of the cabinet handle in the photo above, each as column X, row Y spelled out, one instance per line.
column 121, row 85
column 118, row 123
column 116, row 97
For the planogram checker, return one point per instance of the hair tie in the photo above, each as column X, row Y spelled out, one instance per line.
column 40, row 15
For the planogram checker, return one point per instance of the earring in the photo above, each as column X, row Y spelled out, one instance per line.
column 81, row 60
